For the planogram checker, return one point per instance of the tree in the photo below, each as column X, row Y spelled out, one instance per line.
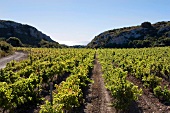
column 14, row 42
column 5, row 47
column 146, row 25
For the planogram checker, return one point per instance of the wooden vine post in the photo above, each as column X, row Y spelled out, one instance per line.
column 51, row 93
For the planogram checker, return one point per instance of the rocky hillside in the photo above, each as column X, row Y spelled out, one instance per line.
column 144, row 35
column 27, row 34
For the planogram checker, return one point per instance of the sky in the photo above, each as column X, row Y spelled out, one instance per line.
column 74, row 22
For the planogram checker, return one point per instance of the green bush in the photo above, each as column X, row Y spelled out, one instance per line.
column 5, row 49
column 123, row 91
column 151, row 81
column 15, row 42
column 162, row 93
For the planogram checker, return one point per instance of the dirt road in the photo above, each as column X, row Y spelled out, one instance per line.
column 16, row 56
column 99, row 98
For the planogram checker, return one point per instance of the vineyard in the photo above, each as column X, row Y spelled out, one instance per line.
column 87, row 80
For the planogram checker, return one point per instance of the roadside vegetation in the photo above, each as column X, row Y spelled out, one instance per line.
column 5, row 49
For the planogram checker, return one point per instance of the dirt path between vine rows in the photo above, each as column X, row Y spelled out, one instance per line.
column 16, row 56
column 148, row 103
column 99, row 100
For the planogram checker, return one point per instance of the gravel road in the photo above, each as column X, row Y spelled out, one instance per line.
column 16, row 56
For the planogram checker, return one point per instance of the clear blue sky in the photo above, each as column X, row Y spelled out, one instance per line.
column 78, row 21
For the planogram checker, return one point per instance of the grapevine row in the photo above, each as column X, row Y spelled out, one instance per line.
column 70, row 92
column 21, row 81
column 123, row 91
column 150, row 65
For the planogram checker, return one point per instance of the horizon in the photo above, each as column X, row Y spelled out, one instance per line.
column 78, row 22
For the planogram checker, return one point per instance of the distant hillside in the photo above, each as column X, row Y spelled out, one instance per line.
column 144, row 35
column 28, row 35
column 78, row 46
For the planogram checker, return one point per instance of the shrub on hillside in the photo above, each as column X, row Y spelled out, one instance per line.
column 2, row 38
column 14, row 42
column 146, row 25
column 5, row 48
column 47, row 44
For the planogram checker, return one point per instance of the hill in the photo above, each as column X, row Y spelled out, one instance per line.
column 144, row 35
column 28, row 35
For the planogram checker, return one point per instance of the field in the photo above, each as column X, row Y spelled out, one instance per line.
column 87, row 81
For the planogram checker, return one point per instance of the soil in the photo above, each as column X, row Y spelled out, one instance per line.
column 148, row 103
column 98, row 98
